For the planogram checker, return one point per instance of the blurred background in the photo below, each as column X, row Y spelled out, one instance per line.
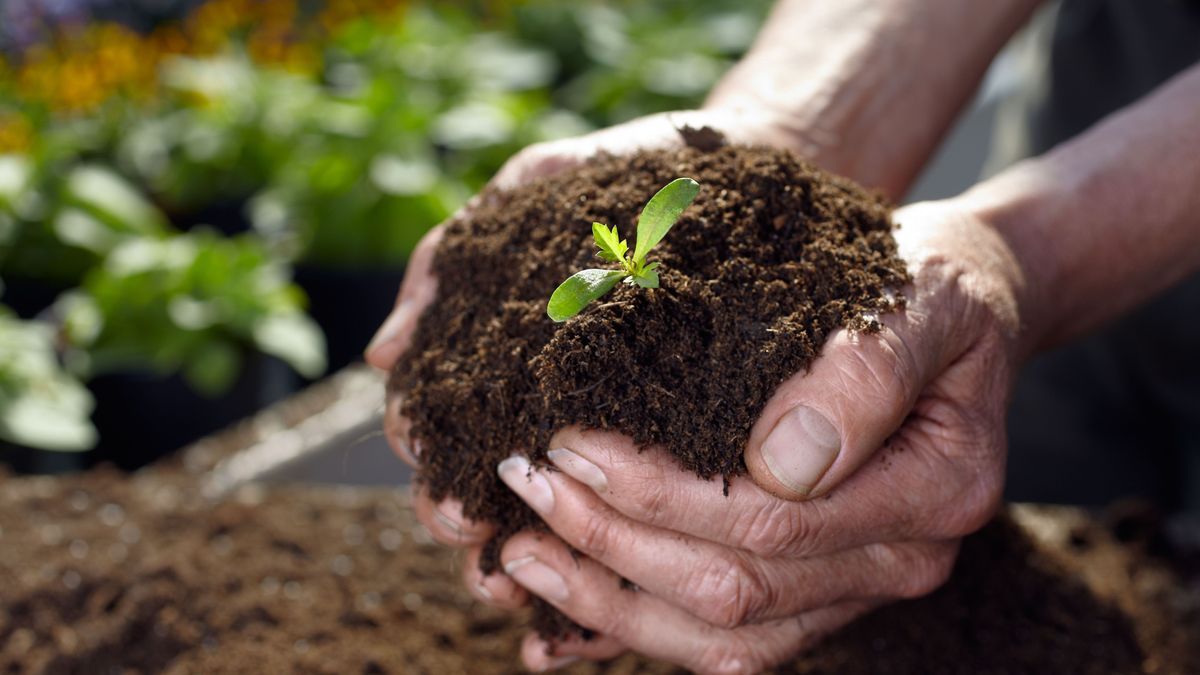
column 205, row 205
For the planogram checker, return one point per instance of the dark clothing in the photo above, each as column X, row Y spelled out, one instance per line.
column 1117, row 413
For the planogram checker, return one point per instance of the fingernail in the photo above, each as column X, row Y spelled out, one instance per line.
column 483, row 591
column 558, row 662
column 391, row 326
column 450, row 523
column 800, row 449
column 537, row 578
column 530, row 485
column 411, row 449
column 579, row 468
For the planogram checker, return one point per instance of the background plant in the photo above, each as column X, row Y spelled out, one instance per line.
column 41, row 405
column 310, row 133
column 195, row 303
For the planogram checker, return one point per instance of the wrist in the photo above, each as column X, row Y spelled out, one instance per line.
column 1019, row 208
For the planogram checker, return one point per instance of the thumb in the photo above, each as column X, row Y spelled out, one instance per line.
column 821, row 425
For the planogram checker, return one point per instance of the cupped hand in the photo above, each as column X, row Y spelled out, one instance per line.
column 542, row 159
column 865, row 472
column 906, row 424
column 419, row 288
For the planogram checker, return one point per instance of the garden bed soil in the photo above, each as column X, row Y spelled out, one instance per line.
column 771, row 258
column 101, row 573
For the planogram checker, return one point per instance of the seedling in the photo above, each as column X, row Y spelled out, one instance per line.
column 656, row 220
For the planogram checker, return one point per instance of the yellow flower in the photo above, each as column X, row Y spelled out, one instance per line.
column 16, row 133
column 81, row 70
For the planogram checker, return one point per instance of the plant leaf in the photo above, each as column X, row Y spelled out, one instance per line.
column 294, row 337
column 661, row 212
column 578, row 290
column 647, row 279
column 612, row 247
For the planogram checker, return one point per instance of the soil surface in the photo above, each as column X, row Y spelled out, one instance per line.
column 107, row 574
column 772, row 257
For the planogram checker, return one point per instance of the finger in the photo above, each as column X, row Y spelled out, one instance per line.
column 397, row 429
column 446, row 523
column 416, row 292
column 721, row 585
column 592, row 596
column 496, row 589
column 540, row 656
column 822, row 425
column 934, row 484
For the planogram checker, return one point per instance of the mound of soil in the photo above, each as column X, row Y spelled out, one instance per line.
column 107, row 574
column 772, row 257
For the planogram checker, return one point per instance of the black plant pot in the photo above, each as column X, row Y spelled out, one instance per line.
column 30, row 297
column 227, row 216
column 142, row 417
column 349, row 305
column 23, row 459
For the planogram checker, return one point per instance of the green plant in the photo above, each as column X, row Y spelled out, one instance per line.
column 41, row 406
column 196, row 303
column 659, row 215
column 59, row 220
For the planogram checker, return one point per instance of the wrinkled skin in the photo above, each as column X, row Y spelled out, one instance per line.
column 737, row 584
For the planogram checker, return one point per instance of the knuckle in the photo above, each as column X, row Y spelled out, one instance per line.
column 595, row 610
column 771, row 530
column 594, row 535
column 651, row 501
column 920, row 571
column 882, row 373
column 728, row 658
column 725, row 593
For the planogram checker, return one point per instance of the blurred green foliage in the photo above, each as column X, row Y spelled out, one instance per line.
column 341, row 141
column 40, row 404
column 193, row 303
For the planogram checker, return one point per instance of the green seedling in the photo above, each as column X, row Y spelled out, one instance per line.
column 656, row 220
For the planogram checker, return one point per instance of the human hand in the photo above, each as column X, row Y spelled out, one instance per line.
column 655, row 131
column 864, row 474
column 445, row 520
column 419, row 288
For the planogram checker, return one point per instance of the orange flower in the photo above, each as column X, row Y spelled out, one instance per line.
column 81, row 70
column 16, row 133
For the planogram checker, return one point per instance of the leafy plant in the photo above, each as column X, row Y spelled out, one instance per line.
column 658, row 217
column 196, row 303
column 41, row 406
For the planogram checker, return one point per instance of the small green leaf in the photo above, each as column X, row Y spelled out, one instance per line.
column 661, row 212
column 647, row 279
column 576, row 292
column 612, row 247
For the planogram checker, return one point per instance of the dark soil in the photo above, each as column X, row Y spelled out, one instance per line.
column 773, row 256
column 107, row 574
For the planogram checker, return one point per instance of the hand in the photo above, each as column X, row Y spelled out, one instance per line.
column 864, row 474
column 445, row 520
column 542, row 159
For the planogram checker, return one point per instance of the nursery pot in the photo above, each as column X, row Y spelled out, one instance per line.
column 30, row 297
column 349, row 304
column 227, row 216
column 143, row 416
